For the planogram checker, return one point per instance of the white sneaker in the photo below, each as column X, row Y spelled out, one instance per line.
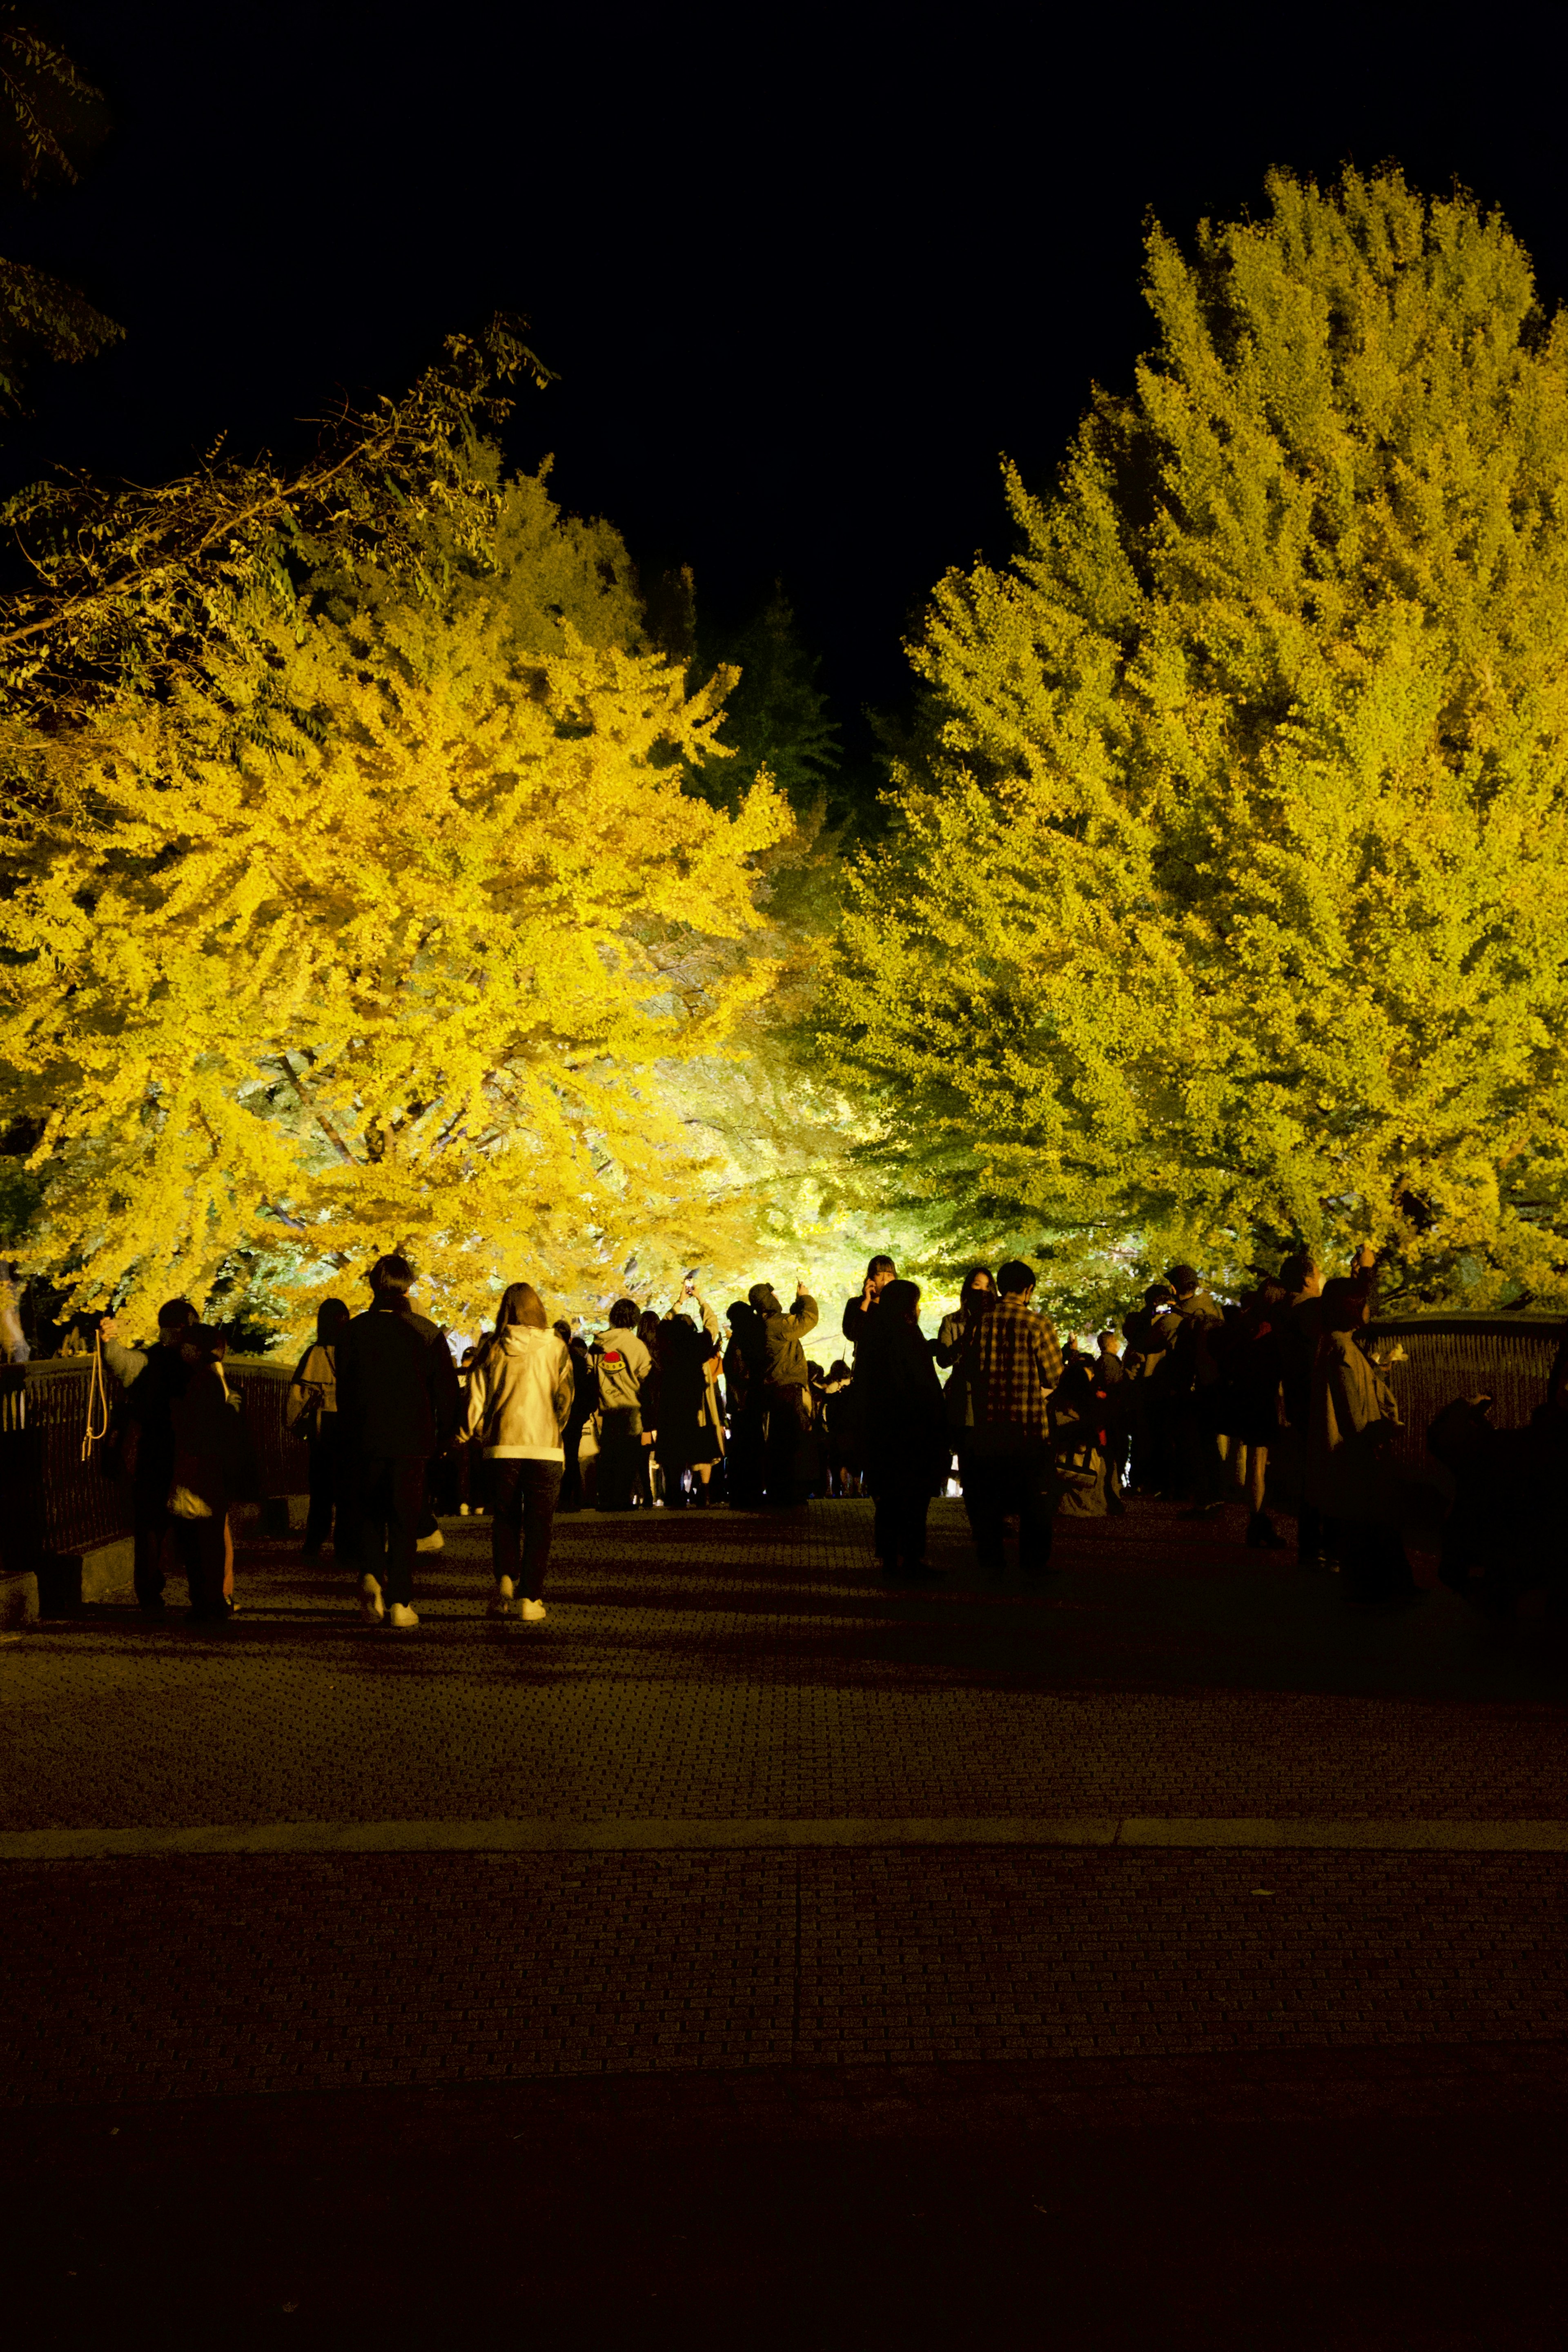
column 371, row 1606
column 501, row 1597
column 532, row 1612
column 435, row 1541
column 400, row 1617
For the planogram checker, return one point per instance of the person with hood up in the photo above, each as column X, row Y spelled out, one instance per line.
column 788, row 1388
column 519, row 1400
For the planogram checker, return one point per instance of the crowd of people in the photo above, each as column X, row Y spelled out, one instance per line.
column 1277, row 1393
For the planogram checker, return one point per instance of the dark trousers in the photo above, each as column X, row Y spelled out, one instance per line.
column 900, row 1522
column 326, row 1473
column 523, row 1503
column 789, row 1421
column 995, row 1485
column 199, row 1543
column 150, row 1524
column 620, row 1458
column 572, row 1477
column 387, row 1501
column 744, row 1463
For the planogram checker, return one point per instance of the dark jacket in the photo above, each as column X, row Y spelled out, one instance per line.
column 397, row 1386
column 214, row 1456
column 905, row 1430
column 857, row 1319
column 148, row 1440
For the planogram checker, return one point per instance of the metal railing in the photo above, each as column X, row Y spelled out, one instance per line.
column 53, row 1504
column 1436, row 1357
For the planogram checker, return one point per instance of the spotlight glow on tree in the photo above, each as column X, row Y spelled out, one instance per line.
column 1230, row 902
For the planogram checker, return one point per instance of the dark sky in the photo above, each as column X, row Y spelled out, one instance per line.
column 805, row 272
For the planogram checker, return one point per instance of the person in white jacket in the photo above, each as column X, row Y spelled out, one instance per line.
column 520, row 1398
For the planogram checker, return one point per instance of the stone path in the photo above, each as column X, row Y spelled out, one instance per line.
column 739, row 1814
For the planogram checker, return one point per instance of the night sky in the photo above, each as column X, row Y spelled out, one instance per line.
column 804, row 274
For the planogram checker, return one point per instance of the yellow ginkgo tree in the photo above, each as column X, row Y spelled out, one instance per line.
column 372, row 929
column 1228, row 901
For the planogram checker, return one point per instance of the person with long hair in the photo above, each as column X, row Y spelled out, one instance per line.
column 213, row 1467
column 519, row 1400
column 688, row 1434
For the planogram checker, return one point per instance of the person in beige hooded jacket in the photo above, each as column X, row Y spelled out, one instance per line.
column 520, row 1398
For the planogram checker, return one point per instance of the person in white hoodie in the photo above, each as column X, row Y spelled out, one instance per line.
column 519, row 1399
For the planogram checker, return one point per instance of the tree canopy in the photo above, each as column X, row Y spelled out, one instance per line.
column 352, row 896
column 1227, row 906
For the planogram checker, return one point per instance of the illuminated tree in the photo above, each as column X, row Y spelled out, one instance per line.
column 373, row 924
column 1231, row 903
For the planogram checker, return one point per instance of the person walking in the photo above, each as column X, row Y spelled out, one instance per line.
column 624, row 1367
column 907, row 1447
column 1012, row 1361
column 788, row 1389
column 153, row 1377
column 398, row 1394
column 519, row 1401
column 213, row 1467
column 310, row 1411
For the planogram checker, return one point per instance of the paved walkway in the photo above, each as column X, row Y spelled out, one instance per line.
column 738, row 1812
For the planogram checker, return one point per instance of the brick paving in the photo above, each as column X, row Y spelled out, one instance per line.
column 723, row 1667
column 731, row 1668
column 181, row 1979
column 831, row 2093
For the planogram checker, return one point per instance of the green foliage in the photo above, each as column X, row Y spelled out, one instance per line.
column 1229, row 904
column 777, row 717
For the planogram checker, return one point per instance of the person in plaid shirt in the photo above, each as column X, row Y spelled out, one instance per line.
column 1012, row 1361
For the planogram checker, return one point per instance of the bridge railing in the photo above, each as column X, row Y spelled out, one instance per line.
column 55, row 1504
column 58, row 1503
